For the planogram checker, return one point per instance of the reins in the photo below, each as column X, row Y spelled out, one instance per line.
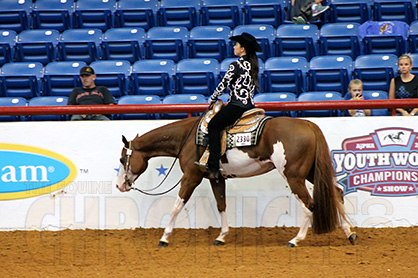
column 147, row 192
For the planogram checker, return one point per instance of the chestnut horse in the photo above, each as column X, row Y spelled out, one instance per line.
column 295, row 147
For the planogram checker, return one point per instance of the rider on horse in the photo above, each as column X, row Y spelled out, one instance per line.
column 242, row 80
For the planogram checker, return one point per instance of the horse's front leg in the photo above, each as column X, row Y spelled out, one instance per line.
column 188, row 183
column 218, row 189
column 178, row 206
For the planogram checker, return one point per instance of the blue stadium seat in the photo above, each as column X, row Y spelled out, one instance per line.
column 376, row 71
column 36, row 46
column 53, row 14
column 12, row 102
column 79, row 45
column 276, row 97
column 183, row 99
column 265, row 12
column 209, row 42
column 351, row 11
column 60, row 78
column 413, row 37
column 384, row 44
column 21, row 79
column 123, row 44
column 320, row 96
column 285, row 74
column 265, row 35
column 372, row 95
column 330, row 73
column 339, row 39
column 153, row 77
column 222, row 12
column 297, row 40
column 7, row 43
column 94, row 14
column 14, row 15
column 414, row 69
column 197, row 76
column 166, row 43
column 179, row 13
column 225, row 66
column 48, row 101
column 390, row 10
column 139, row 99
column 114, row 75
column 386, row 37
column 136, row 13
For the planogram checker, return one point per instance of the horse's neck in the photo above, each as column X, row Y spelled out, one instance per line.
column 164, row 141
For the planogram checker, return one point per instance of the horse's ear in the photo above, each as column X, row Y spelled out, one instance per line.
column 125, row 142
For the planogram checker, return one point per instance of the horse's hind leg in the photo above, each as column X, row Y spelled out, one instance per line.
column 298, row 187
column 345, row 226
column 218, row 189
column 303, row 228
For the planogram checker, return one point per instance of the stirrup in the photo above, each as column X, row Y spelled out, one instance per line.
column 203, row 162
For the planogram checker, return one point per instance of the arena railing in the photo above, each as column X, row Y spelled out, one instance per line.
column 193, row 108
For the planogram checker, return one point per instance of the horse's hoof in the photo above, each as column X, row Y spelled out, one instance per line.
column 218, row 243
column 162, row 244
column 289, row 244
column 353, row 238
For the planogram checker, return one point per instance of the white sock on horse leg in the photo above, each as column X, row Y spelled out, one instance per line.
column 178, row 206
column 225, row 227
column 303, row 227
column 346, row 228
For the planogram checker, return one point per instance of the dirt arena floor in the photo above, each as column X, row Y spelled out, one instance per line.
column 261, row 252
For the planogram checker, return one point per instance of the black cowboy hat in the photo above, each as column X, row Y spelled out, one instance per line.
column 247, row 40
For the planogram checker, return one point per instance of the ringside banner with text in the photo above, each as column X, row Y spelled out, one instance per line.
column 61, row 175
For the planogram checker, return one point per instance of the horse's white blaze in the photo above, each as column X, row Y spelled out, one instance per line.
column 121, row 183
column 121, row 178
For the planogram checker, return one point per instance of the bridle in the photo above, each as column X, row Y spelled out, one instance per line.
column 127, row 164
column 129, row 152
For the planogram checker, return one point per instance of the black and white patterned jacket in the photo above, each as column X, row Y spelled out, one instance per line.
column 240, row 83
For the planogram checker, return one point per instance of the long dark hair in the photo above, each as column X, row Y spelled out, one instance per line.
column 252, row 56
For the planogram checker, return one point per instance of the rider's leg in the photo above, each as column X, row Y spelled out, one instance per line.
column 225, row 117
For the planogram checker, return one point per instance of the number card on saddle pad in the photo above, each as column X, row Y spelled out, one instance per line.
column 244, row 132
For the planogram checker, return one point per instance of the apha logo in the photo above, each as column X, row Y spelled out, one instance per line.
column 28, row 171
column 384, row 163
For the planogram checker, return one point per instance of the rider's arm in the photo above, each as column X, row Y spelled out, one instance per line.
column 226, row 80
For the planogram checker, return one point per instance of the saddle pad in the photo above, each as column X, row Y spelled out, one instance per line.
column 244, row 132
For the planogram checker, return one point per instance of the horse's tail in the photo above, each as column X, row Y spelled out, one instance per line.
column 328, row 208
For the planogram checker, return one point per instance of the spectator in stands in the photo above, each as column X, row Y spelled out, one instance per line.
column 305, row 11
column 405, row 85
column 242, row 81
column 355, row 88
column 90, row 94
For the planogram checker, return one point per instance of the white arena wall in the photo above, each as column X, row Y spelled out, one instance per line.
column 61, row 175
